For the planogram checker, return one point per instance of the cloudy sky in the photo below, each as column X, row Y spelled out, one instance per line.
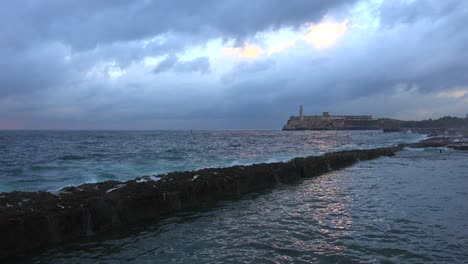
column 233, row 64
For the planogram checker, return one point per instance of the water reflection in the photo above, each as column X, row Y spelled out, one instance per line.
column 329, row 212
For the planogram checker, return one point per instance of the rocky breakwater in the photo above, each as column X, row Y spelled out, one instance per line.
column 455, row 142
column 30, row 221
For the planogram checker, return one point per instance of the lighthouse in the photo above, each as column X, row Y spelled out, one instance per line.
column 301, row 113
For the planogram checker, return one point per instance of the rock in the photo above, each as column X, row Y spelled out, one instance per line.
column 459, row 146
column 431, row 143
column 439, row 141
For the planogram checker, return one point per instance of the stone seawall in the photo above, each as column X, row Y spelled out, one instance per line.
column 31, row 221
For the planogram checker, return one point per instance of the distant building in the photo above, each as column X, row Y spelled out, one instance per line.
column 331, row 122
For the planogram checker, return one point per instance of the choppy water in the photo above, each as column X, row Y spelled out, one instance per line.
column 50, row 160
column 411, row 208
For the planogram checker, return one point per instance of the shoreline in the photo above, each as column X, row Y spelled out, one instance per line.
column 31, row 221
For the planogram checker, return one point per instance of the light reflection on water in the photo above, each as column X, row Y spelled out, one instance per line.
column 405, row 209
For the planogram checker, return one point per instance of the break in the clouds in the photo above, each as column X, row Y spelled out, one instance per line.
column 228, row 64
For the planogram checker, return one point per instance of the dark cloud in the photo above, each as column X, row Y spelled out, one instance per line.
column 88, row 23
column 166, row 64
column 40, row 68
column 403, row 11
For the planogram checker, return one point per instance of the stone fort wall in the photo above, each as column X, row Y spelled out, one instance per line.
column 331, row 122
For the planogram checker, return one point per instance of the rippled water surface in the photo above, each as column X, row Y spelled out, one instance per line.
column 411, row 208
column 50, row 160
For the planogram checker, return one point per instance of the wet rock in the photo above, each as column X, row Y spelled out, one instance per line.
column 431, row 143
column 459, row 146
column 34, row 220
column 439, row 141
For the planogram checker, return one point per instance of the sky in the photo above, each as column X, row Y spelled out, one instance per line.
column 210, row 64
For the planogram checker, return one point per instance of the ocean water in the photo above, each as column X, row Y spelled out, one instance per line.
column 410, row 208
column 50, row 160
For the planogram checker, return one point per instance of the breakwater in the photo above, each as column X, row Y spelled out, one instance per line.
column 33, row 220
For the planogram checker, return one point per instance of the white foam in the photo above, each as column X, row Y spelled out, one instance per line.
column 118, row 186
column 155, row 178
column 414, row 149
column 148, row 178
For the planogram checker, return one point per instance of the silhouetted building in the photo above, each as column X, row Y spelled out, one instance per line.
column 331, row 122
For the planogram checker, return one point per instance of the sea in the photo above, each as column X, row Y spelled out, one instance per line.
column 409, row 208
column 51, row 160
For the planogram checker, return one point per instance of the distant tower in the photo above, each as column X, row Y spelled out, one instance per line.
column 301, row 113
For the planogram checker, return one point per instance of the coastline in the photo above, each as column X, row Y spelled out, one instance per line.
column 31, row 221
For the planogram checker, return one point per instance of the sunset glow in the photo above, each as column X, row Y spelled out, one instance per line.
column 281, row 47
column 325, row 34
column 457, row 93
column 249, row 51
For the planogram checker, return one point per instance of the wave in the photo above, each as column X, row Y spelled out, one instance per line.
column 107, row 176
column 71, row 157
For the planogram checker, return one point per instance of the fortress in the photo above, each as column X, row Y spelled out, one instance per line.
column 332, row 122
